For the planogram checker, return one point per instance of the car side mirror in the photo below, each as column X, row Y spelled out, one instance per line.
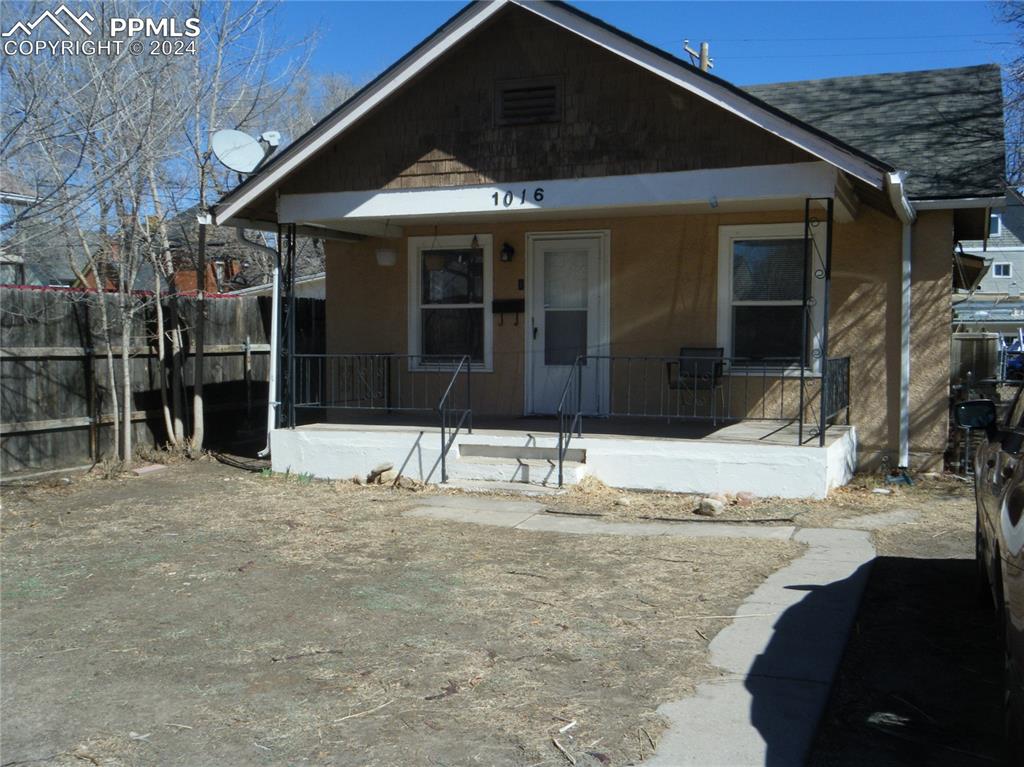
column 975, row 414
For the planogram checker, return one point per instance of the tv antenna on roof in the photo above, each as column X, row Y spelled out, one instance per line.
column 240, row 152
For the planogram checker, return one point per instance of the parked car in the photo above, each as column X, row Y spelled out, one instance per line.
column 999, row 541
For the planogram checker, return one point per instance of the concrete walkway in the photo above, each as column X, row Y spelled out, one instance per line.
column 778, row 656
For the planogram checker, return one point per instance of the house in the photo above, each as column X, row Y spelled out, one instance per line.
column 308, row 286
column 606, row 261
column 996, row 304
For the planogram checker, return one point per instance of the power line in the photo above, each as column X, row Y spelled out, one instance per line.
column 852, row 54
column 1007, row 35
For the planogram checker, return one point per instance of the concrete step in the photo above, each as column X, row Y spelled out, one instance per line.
column 521, row 452
column 533, row 471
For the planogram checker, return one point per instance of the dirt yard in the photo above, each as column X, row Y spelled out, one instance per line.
column 205, row 615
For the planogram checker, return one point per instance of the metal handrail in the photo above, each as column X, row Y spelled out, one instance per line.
column 575, row 424
column 446, row 412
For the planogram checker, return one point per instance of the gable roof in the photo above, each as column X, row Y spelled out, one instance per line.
column 733, row 99
column 943, row 126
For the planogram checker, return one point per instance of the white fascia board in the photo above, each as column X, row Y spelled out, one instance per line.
column 761, row 182
column 709, row 90
column 476, row 15
column 960, row 203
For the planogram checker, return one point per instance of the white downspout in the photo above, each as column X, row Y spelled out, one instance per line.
column 275, row 303
column 906, row 214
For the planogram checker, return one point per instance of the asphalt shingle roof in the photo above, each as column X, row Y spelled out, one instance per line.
column 943, row 126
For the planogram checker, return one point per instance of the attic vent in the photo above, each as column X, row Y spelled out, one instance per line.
column 529, row 101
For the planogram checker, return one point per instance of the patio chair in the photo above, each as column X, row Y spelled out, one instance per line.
column 699, row 370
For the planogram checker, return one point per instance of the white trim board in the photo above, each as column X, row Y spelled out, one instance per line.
column 709, row 187
column 471, row 19
column 726, row 236
column 417, row 244
column 960, row 203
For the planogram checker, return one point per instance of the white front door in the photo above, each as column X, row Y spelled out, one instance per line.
column 568, row 316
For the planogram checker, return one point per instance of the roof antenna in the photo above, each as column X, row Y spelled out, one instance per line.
column 700, row 58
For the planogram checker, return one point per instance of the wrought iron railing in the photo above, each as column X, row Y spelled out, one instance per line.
column 835, row 391
column 708, row 387
column 453, row 418
column 391, row 383
column 570, row 412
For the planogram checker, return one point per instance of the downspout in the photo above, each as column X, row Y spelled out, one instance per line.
column 906, row 214
column 275, row 301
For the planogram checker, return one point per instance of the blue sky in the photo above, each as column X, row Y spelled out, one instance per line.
column 751, row 42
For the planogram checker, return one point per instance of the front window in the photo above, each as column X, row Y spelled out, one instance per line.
column 449, row 298
column 1002, row 269
column 761, row 294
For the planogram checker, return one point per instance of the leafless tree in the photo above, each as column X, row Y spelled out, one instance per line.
column 118, row 146
column 1012, row 12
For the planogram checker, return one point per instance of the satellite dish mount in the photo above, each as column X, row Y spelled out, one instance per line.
column 240, row 152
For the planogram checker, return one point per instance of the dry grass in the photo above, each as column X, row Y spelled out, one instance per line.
column 285, row 619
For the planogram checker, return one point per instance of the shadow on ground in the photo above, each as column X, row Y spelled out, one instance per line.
column 921, row 678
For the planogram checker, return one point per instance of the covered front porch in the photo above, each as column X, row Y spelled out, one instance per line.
column 541, row 346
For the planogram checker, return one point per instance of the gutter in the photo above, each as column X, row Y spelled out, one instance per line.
column 906, row 214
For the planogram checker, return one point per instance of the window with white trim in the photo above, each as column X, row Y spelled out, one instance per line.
column 995, row 224
column 449, row 300
column 1002, row 269
column 761, row 294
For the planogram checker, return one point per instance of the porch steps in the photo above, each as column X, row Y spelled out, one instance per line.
column 520, row 464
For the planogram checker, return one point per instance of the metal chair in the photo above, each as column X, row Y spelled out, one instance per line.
column 699, row 369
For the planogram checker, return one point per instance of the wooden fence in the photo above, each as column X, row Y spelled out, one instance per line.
column 55, row 387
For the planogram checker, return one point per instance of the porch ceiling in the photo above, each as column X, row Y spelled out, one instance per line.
column 757, row 188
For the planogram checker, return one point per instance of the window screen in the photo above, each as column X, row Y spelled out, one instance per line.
column 452, row 303
column 767, row 299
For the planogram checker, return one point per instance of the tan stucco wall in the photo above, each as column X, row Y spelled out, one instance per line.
column 663, row 296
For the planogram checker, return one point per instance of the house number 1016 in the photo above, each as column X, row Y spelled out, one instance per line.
column 509, row 199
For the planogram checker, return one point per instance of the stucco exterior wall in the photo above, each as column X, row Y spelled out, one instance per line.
column 664, row 295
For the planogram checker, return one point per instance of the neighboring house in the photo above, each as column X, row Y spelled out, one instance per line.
column 30, row 254
column 310, row 286
column 997, row 305
column 605, row 231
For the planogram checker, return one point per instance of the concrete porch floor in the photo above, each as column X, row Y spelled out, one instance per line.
column 767, row 432
column 760, row 457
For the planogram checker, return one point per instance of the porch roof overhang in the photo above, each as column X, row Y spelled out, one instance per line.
column 763, row 187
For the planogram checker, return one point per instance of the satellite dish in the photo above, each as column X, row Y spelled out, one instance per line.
column 240, row 152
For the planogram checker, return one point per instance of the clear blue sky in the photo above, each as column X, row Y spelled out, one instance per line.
column 751, row 42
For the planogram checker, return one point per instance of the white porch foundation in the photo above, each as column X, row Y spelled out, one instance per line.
column 757, row 458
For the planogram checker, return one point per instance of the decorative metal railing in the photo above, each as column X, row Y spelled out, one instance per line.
column 835, row 391
column 390, row 383
column 570, row 412
column 708, row 387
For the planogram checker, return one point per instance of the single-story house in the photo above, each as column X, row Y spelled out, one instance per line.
column 605, row 261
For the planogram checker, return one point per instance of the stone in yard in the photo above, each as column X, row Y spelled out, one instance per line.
column 710, row 507
column 745, row 499
column 387, row 477
column 722, row 498
column 409, row 483
column 376, row 471
column 622, row 501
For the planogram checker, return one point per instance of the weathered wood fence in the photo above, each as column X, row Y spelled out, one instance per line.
column 55, row 387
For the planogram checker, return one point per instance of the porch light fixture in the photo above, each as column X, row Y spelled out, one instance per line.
column 507, row 252
column 386, row 257
column 475, row 243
